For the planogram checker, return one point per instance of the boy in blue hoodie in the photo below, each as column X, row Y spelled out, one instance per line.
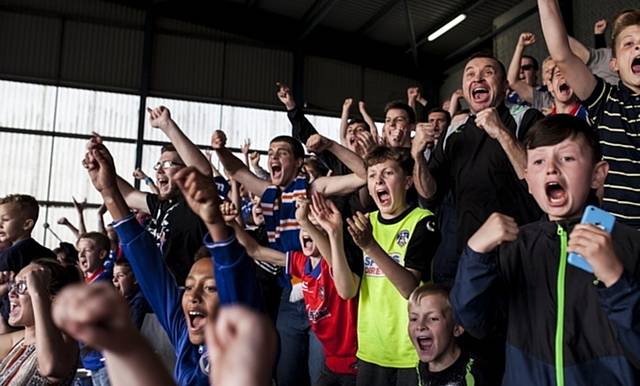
column 183, row 314
column 565, row 325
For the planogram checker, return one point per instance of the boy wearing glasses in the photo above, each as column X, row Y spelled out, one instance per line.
column 177, row 230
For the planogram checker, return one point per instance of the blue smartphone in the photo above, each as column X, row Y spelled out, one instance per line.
column 600, row 218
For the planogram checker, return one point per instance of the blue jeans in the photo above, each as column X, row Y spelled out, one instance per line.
column 301, row 357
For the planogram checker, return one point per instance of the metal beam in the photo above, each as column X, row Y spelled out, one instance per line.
column 368, row 25
column 314, row 15
column 411, row 31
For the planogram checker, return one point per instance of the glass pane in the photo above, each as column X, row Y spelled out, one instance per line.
column 25, row 164
column 26, row 105
column 197, row 120
column 110, row 114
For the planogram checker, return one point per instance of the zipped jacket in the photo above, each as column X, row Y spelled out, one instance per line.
column 564, row 327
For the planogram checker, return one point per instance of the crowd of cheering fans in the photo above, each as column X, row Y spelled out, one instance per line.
column 430, row 252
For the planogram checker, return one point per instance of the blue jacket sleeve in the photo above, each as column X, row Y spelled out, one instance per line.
column 472, row 295
column 621, row 302
column 234, row 272
column 156, row 282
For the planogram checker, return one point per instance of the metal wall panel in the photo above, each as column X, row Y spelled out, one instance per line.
column 101, row 55
column 197, row 120
column 110, row 114
column 187, row 67
column 29, row 46
column 328, row 82
column 109, row 11
column 250, row 73
column 381, row 88
column 25, row 164
column 27, row 106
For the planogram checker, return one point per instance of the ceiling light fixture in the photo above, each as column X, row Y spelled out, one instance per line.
column 442, row 30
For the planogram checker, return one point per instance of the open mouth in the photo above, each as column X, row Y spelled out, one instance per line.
column 307, row 242
column 564, row 88
column 14, row 309
column 480, row 94
column 197, row 319
column 425, row 343
column 635, row 65
column 276, row 170
column 384, row 198
column 162, row 182
column 555, row 192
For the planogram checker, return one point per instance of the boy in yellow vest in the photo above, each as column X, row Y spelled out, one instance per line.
column 398, row 241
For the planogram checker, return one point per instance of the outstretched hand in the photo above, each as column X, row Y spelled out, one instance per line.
column 284, row 94
column 218, row 139
column 159, row 117
column 99, row 164
column 360, row 229
column 200, row 193
column 326, row 214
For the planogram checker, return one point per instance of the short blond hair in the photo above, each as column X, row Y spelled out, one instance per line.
column 429, row 289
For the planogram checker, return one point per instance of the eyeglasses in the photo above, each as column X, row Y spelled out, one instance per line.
column 166, row 165
column 526, row 67
column 20, row 287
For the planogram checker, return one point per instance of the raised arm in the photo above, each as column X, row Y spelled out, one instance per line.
column 524, row 90
column 140, row 175
column 337, row 185
column 254, row 158
column 236, row 168
column 56, row 353
column 65, row 222
column 489, row 121
column 367, row 118
column 575, row 71
column 330, row 219
column 160, row 118
column 422, row 179
column 133, row 197
column 79, row 207
column 318, row 144
column 344, row 119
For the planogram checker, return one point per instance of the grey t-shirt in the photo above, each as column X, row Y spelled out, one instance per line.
column 598, row 63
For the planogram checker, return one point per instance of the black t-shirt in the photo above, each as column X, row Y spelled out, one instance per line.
column 178, row 232
column 478, row 172
column 465, row 371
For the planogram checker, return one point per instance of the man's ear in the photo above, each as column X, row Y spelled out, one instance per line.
column 458, row 330
column 600, row 171
column 299, row 163
column 28, row 224
column 103, row 254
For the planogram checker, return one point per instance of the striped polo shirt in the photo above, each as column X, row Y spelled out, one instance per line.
column 615, row 112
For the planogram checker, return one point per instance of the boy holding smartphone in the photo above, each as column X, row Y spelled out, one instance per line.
column 565, row 325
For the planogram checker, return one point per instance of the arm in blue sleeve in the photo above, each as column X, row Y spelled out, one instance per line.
column 156, row 282
column 234, row 272
column 472, row 295
column 621, row 302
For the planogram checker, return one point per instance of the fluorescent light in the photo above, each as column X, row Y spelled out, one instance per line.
column 442, row 30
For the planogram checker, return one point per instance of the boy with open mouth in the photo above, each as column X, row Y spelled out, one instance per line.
column 564, row 325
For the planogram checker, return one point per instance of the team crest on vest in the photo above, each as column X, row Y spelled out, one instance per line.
column 402, row 238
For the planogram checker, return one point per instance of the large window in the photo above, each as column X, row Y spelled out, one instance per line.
column 43, row 132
